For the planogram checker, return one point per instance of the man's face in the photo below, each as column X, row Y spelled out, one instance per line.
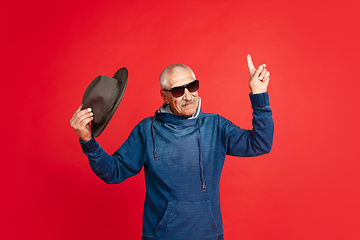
column 187, row 104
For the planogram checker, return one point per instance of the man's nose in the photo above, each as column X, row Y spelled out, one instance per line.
column 187, row 94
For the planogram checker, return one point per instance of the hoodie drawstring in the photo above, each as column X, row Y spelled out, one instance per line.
column 203, row 185
column 154, row 139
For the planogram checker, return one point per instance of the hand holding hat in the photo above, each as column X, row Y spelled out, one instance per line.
column 100, row 101
column 80, row 123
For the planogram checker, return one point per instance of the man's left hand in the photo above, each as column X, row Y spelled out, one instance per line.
column 259, row 77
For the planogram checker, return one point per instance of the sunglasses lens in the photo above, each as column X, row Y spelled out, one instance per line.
column 193, row 86
column 177, row 91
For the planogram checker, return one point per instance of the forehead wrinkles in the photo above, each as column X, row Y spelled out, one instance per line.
column 172, row 70
column 179, row 77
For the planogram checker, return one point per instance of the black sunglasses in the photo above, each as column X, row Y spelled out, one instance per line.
column 179, row 91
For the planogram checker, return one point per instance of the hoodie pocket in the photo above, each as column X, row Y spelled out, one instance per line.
column 187, row 220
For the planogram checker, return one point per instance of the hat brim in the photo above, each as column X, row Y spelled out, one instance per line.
column 122, row 77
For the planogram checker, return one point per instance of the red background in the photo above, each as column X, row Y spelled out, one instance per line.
column 306, row 188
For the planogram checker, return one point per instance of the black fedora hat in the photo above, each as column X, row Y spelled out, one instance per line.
column 103, row 96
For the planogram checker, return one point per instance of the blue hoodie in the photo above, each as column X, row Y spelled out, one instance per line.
column 183, row 159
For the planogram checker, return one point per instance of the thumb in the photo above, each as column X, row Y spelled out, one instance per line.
column 250, row 64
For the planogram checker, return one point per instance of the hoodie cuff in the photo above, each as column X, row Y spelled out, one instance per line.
column 260, row 100
column 90, row 146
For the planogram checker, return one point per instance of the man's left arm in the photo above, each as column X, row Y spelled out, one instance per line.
column 258, row 140
column 263, row 125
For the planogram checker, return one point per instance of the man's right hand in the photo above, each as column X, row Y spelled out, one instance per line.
column 80, row 122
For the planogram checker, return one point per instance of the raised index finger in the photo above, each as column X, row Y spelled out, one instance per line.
column 250, row 64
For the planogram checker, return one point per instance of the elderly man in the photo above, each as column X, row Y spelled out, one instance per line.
column 182, row 151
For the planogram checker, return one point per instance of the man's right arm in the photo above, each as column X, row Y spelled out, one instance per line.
column 115, row 168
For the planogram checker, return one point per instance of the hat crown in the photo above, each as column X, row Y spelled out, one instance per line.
column 103, row 96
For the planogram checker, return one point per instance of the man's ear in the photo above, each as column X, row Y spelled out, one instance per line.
column 164, row 96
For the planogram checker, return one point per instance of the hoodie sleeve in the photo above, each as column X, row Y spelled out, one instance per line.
column 258, row 141
column 127, row 161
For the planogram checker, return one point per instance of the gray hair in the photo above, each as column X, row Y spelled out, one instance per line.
column 164, row 84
